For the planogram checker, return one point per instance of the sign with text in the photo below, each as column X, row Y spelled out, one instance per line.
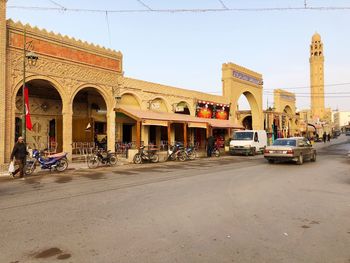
column 243, row 76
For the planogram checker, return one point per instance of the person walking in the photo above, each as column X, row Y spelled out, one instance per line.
column 329, row 137
column 324, row 137
column 210, row 145
column 20, row 153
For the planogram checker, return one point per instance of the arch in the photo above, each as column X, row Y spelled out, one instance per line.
column 185, row 105
column 130, row 99
column 255, row 109
column 100, row 90
column 288, row 110
column 164, row 105
column 36, row 136
column 55, row 84
column 247, row 122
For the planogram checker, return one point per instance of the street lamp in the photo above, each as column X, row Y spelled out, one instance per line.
column 30, row 57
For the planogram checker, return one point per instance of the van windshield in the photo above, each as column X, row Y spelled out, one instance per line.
column 245, row 136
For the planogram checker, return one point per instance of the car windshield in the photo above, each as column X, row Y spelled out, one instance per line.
column 243, row 136
column 285, row 142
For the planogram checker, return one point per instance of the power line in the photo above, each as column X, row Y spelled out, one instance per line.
column 308, row 87
column 57, row 4
column 143, row 4
column 190, row 10
column 223, row 4
column 109, row 31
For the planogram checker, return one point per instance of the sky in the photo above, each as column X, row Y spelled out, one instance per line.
column 187, row 49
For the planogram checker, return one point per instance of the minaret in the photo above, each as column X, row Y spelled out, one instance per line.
column 317, row 77
column 3, row 37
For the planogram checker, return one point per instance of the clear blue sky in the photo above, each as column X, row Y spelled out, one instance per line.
column 187, row 49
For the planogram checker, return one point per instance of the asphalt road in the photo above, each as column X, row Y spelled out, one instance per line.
column 230, row 209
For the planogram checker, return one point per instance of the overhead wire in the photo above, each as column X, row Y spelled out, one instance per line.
column 57, row 4
column 184, row 10
column 143, row 4
column 223, row 4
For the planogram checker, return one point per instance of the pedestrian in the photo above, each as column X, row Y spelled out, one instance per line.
column 210, row 145
column 324, row 137
column 329, row 137
column 20, row 153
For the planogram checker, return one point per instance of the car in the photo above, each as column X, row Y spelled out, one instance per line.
column 296, row 149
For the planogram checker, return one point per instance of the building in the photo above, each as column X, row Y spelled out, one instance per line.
column 341, row 119
column 79, row 96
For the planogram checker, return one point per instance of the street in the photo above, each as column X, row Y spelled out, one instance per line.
column 228, row 209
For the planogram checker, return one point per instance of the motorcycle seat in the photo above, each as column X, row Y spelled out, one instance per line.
column 57, row 155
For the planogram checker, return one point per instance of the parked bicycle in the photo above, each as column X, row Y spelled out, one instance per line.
column 100, row 157
column 146, row 155
column 57, row 162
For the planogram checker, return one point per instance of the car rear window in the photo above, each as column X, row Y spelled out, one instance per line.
column 285, row 142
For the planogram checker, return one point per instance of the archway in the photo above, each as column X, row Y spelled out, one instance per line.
column 45, row 108
column 129, row 100
column 247, row 105
column 89, row 128
column 182, row 108
column 126, row 126
column 158, row 104
column 287, row 123
column 247, row 122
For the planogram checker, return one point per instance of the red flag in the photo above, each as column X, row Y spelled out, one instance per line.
column 28, row 120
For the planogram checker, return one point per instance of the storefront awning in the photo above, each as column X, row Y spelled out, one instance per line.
column 162, row 118
column 215, row 123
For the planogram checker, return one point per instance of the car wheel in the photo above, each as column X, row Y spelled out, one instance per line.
column 271, row 161
column 313, row 159
column 300, row 159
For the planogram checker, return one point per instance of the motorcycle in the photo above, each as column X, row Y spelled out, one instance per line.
column 177, row 152
column 57, row 161
column 215, row 152
column 143, row 155
column 95, row 160
column 191, row 153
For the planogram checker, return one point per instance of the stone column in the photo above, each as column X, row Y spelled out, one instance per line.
column 111, row 131
column 3, row 80
column 145, row 134
column 67, row 113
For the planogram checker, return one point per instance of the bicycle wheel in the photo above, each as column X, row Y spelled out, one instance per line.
column 137, row 159
column 113, row 160
column 155, row 158
column 93, row 162
column 62, row 165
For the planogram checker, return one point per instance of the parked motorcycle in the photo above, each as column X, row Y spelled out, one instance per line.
column 98, row 158
column 57, row 162
column 143, row 155
column 191, row 153
column 177, row 152
column 215, row 152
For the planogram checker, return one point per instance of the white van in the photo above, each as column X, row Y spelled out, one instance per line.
column 248, row 142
